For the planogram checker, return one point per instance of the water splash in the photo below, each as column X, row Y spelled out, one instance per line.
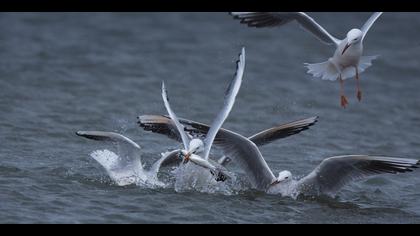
column 190, row 177
column 125, row 173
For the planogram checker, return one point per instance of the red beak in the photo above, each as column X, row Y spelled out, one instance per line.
column 186, row 158
column 345, row 48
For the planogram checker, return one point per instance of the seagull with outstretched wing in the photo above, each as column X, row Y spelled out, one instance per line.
column 328, row 178
column 347, row 60
column 125, row 166
column 197, row 150
column 164, row 125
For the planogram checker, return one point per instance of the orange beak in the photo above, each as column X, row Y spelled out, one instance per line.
column 345, row 48
column 186, row 158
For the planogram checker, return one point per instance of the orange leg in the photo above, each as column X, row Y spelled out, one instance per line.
column 344, row 102
column 359, row 92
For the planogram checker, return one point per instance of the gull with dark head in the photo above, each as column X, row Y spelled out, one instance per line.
column 197, row 150
column 347, row 60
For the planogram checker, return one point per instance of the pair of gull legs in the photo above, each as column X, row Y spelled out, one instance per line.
column 343, row 98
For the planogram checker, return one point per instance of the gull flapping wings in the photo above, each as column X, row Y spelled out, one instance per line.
column 365, row 28
column 240, row 149
column 179, row 126
column 125, row 167
column 271, row 19
column 129, row 150
column 334, row 172
column 164, row 125
column 229, row 100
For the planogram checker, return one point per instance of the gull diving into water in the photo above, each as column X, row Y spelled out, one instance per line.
column 347, row 60
column 197, row 150
column 126, row 167
column 326, row 179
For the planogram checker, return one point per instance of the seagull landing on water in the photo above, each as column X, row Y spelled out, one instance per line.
column 327, row 178
column 196, row 150
column 347, row 60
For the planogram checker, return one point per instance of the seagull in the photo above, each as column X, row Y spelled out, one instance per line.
column 164, row 125
column 126, row 167
column 326, row 179
column 347, row 60
column 197, row 150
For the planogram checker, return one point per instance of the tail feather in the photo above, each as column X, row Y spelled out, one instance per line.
column 327, row 71
column 324, row 70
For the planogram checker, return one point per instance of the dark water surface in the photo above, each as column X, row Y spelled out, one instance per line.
column 63, row 72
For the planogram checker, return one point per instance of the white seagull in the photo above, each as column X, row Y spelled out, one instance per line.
column 195, row 149
column 126, row 167
column 326, row 179
column 347, row 60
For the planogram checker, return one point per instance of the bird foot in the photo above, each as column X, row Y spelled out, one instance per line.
column 344, row 101
column 219, row 176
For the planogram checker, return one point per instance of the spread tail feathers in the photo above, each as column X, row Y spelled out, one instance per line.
column 327, row 71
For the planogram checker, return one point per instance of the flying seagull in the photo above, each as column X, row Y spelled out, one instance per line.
column 347, row 60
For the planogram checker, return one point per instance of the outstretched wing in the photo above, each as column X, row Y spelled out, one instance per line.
column 161, row 125
column 271, row 19
column 282, row 131
column 127, row 149
column 179, row 126
column 164, row 125
column 369, row 23
column 230, row 96
column 335, row 172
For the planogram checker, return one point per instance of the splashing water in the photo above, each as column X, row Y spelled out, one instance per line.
column 123, row 173
column 187, row 177
column 190, row 177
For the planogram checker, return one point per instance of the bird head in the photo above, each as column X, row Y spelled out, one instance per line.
column 353, row 36
column 284, row 176
column 196, row 146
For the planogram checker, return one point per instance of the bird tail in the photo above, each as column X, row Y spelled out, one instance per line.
column 327, row 71
column 324, row 70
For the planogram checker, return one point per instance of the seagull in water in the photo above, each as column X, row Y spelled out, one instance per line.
column 196, row 150
column 347, row 60
column 165, row 126
column 125, row 167
column 326, row 179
